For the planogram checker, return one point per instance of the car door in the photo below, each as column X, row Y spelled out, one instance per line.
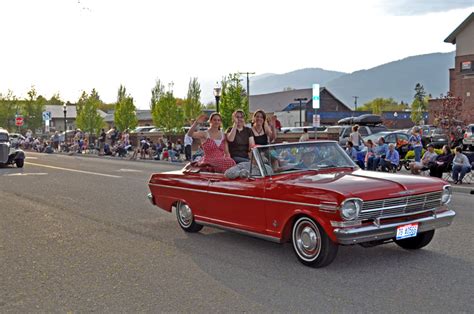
column 236, row 203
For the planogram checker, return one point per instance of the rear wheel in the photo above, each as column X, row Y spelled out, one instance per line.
column 311, row 244
column 19, row 163
column 415, row 243
column 186, row 218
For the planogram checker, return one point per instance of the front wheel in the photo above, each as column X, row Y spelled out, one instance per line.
column 186, row 218
column 415, row 243
column 19, row 163
column 311, row 244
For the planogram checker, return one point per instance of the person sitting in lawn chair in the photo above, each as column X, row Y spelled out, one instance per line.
column 392, row 159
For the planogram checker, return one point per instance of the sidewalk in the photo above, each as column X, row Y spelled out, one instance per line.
column 464, row 188
column 112, row 158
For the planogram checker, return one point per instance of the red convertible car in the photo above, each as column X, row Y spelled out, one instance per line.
column 311, row 194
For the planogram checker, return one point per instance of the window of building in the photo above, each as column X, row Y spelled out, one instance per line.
column 466, row 66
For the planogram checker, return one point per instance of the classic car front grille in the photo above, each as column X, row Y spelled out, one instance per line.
column 400, row 206
column 4, row 150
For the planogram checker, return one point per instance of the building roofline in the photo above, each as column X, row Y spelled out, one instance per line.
column 452, row 37
column 327, row 90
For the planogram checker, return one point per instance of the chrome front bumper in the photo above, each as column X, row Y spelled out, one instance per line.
column 382, row 232
column 150, row 198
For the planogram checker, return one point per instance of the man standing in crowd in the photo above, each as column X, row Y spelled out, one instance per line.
column 188, row 143
column 101, row 142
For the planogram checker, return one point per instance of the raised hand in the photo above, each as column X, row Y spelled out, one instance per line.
column 201, row 119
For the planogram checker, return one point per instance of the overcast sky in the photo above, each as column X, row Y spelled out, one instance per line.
column 66, row 46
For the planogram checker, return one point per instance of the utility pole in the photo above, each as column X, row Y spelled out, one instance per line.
column 355, row 102
column 248, row 82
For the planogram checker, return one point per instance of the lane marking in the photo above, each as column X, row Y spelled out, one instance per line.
column 24, row 174
column 74, row 170
column 129, row 170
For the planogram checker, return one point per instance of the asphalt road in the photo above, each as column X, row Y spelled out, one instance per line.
column 78, row 235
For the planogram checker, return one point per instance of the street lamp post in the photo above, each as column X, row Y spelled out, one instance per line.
column 300, row 100
column 217, row 94
column 65, row 122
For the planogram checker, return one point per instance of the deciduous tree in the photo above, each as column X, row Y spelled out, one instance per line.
column 233, row 97
column 192, row 105
column 167, row 114
column 449, row 116
column 8, row 108
column 32, row 110
column 125, row 111
column 88, row 118
column 379, row 105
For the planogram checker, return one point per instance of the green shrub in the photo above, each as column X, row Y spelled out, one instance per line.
column 411, row 153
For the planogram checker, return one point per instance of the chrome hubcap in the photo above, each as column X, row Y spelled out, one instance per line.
column 307, row 239
column 185, row 215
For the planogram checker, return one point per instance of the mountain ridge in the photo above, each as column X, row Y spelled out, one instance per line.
column 395, row 79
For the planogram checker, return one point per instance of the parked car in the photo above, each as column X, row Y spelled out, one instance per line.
column 468, row 139
column 399, row 138
column 365, row 119
column 300, row 129
column 142, row 129
column 8, row 153
column 311, row 194
column 364, row 130
column 16, row 138
column 438, row 137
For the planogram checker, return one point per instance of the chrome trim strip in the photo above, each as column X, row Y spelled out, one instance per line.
column 244, row 232
column 247, row 197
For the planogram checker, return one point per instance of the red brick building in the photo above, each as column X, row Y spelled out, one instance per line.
column 461, row 78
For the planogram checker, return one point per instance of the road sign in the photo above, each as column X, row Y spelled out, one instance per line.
column 19, row 121
column 46, row 115
column 316, row 120
column 316, row 103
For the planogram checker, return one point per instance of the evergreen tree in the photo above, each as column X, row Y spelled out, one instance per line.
column 192, row 105
column 125, row 111
column 419, row 104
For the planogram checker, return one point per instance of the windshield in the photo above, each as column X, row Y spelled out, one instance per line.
column 3, row 137
column 375, row 137
column 304, row 156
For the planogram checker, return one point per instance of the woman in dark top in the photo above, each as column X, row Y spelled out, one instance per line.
column 263, row 132
column 442, row 163
column 240, row 138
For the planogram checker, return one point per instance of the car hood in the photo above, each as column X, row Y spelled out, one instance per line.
column 367, row 185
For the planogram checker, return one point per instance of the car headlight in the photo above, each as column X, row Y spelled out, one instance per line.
column 350, row 208
column 447, row 194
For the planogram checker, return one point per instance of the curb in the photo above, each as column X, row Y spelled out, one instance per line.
column 463, row 190
column 115, row 158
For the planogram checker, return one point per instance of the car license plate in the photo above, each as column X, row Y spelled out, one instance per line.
column 407, row 231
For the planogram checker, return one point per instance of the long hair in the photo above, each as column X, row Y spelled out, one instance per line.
column 264, row 115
